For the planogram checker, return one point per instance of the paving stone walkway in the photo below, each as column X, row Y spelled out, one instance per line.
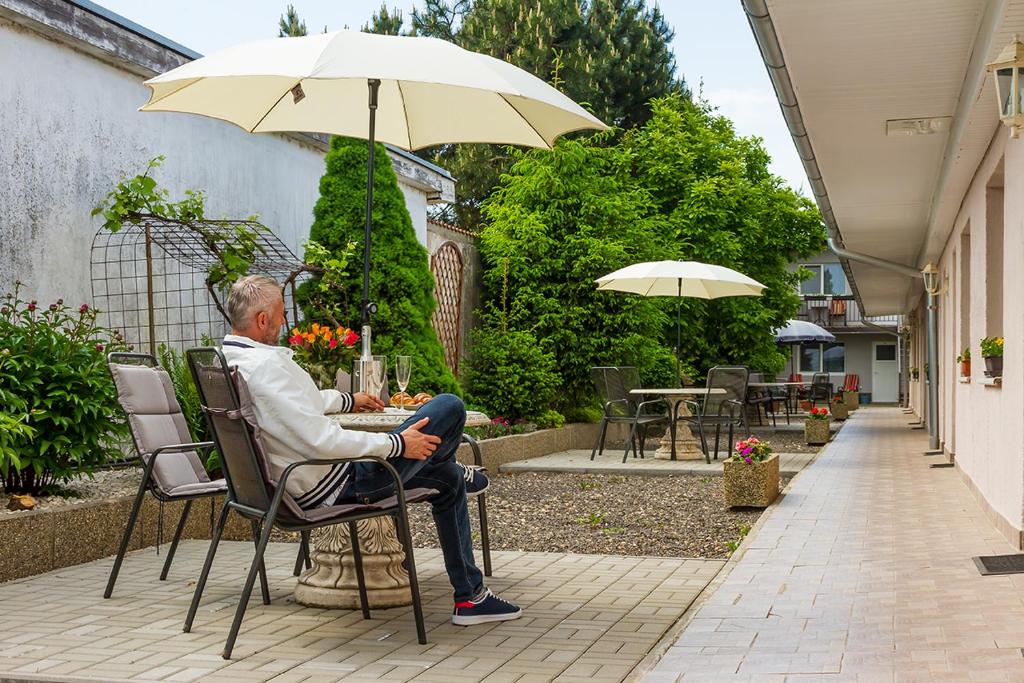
column 862, row 572
column 587, row 617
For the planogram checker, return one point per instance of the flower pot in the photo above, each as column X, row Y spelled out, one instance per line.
column 753, row 484
column 817, row 432
column 851, row 399
column 965, row 368
column 841, row 410
column 993, row 366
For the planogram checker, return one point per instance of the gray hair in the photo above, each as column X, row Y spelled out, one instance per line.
column 250, row 295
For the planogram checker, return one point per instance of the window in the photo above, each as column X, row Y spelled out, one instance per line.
column 826, row 278
column 823, row 358
column 885, row 352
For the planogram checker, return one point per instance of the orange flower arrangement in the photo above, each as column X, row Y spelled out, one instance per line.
column 322, row 344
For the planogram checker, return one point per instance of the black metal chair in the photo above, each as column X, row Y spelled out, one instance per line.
column 614, row 385
column 253, row 492
column 820, row 389
column 726, row 409
column 171, row 467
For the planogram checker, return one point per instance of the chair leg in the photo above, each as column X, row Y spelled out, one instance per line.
column 357, row 556
column 405, row 537
column 174, row 541
column 126, row 538
column 306, row 554
column 630, row 441
column 599, row 446
column 481, row 501
column 643, row 440
column 300, row 556
column 264, row 588
column 201, row 582
column 255, row 568
column 718, row 433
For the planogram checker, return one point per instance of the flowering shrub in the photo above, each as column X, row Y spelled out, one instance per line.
column 322, row 344
column 501, row 426
column 992, row 347
column 752, row 450
column 54, row 383
column 818, row 414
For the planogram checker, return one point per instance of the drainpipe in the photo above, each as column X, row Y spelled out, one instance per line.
column 933, row 332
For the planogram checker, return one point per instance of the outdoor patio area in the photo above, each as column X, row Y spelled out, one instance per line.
column 588, row 617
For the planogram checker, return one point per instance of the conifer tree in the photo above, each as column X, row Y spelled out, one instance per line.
column 401, row 283
column 385, row 21
column 290, row 26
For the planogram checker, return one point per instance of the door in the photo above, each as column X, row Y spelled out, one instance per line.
column 885, row 378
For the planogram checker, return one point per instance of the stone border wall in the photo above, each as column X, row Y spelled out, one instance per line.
column 43, row 540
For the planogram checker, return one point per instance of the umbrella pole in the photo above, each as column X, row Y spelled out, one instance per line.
column 679, row 350
column 368, row 308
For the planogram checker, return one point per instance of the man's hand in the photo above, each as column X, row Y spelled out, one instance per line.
column 365, row 403
column 419, row 446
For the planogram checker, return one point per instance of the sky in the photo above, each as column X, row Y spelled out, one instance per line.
column 714, row 48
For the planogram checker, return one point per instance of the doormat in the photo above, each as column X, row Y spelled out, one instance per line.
column 1000, row 564
column 939, row 465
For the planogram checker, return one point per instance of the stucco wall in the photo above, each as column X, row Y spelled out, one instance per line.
column 983, row 424
column 70, row 130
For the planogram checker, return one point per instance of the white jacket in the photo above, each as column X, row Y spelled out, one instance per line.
column 292, row 415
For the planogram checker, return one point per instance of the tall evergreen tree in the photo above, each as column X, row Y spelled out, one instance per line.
column 612, row 56
column 385, row 21
column 400, row 279
column 290, row 26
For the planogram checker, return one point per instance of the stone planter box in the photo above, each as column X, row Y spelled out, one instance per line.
column 754, row 484
column 817, row 432
column 840, row 410
column 43, row 540
column 851, row 399
column 497, row 452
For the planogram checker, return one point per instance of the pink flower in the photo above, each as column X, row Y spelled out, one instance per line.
column 748, row 450
column 99, row 347
column 32, row 306
column 333, row 343
column 84, row 308
column 747, row 460
column 350, row 339
column 295, row 340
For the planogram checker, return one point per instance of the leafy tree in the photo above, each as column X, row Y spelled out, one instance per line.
column 385, row 21
column 290, row 26
column 400, row 279
column 611, row 55
column 560, row 220
column 722, row 205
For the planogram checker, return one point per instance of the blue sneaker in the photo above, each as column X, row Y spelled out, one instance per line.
column 476, row 481
column 487, row 608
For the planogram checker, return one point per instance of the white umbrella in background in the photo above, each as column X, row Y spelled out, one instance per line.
column 429, row 92
column 679, row 279
column 800, row 331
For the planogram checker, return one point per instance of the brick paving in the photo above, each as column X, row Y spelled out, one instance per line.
column 587, row 617
column 862, row 572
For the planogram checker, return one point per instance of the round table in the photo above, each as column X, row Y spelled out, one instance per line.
column 331, row 581
column 685, row 446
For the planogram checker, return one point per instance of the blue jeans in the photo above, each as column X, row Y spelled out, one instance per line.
column 440, row 471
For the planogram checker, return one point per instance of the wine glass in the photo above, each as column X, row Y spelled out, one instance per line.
column 403, row 367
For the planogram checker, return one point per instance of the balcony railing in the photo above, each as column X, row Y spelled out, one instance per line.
column 840, row 312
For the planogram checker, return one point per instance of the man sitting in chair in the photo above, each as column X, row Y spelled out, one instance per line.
column 292, row 416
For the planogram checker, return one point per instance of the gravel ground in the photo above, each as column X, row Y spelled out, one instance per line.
column 786, row 442
column 105, row 484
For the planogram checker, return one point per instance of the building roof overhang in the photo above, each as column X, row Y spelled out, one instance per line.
column 891, row 111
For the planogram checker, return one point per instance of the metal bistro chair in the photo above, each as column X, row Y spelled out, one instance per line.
column 614, row 385
column 820, row 389
column 728, row 409
column 253, row 493
column 171, row 467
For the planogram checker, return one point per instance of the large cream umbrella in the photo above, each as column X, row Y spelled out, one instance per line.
column 429, row 92
column 679, row 279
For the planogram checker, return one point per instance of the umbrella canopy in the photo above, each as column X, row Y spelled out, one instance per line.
column 799, row 331
column 430, row 91
column 679, row 279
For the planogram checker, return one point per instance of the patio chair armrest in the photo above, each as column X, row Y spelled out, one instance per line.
column 640, row 406
column 623, row 401
column 182, row 447
column 280, row 486
column 478, row 458
column 695, row 407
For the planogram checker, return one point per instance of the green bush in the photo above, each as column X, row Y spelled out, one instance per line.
column 400, row 279
column 511, row 375
column 54, row 381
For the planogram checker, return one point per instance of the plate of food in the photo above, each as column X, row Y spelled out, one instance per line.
column 408, row 401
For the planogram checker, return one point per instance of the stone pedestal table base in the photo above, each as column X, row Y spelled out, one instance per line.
column 687, row 446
